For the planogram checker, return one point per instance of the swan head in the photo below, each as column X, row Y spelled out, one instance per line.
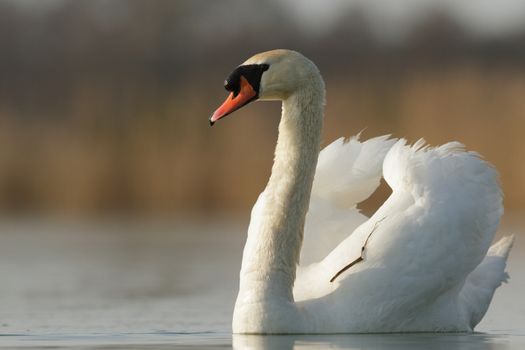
column 270, row 75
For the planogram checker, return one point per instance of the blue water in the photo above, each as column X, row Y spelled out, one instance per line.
column 171, row 285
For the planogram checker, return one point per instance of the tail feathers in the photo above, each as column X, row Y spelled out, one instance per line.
column 502, row 247
column 481, row 283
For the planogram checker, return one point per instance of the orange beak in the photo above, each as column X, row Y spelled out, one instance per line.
column 246, row 94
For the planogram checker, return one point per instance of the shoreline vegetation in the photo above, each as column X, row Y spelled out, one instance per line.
column 105, row 115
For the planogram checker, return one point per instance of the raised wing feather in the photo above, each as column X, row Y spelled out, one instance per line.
column 423, row 243
column 347, row 173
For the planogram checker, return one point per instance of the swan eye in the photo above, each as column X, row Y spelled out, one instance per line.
column 232, row 84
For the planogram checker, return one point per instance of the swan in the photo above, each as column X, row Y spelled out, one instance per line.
column 421, row 263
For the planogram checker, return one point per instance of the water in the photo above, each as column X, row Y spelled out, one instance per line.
column 171, row 285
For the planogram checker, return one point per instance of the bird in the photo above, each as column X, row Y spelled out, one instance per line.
column 314, row 264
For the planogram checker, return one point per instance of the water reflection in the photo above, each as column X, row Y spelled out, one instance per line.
column 370, row 341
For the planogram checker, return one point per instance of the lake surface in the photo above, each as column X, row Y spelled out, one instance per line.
column 122, row 284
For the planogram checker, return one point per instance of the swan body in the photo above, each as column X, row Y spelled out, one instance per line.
column 313, row 264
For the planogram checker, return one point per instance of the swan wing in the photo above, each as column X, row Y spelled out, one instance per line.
column 445, row 206
column 348, row 172
column 418, row 250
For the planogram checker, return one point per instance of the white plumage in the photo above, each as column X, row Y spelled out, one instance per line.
column 347, row 173
column 426, row 266
column 420, row 263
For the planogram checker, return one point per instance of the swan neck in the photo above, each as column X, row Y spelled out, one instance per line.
column 273, row 248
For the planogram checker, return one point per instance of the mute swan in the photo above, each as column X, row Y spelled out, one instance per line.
column 421, row 263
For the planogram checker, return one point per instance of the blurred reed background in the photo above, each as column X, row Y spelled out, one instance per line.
column 104, row 105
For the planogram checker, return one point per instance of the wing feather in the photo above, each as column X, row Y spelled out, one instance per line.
column 348, row 172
